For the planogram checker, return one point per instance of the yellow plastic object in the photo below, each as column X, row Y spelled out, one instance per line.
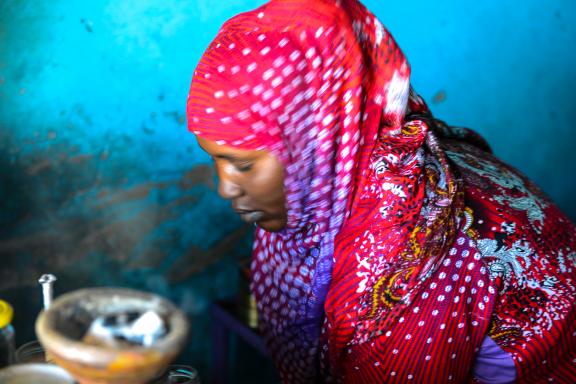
column 6, row 313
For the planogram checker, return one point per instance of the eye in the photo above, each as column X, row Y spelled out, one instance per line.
column 244, row 166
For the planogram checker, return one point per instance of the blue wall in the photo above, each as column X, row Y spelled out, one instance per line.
column 102, row 185
column 503, row 68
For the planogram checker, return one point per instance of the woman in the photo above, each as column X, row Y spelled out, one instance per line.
column 390, row 247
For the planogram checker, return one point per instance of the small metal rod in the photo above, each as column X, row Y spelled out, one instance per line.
column 47, row 281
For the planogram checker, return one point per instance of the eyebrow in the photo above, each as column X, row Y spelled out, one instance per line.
column 231, row 157
column 225, row 157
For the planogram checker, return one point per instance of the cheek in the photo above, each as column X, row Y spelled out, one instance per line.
column 268, row 187
column 270, row 190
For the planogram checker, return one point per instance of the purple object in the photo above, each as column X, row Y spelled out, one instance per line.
column 493, row 364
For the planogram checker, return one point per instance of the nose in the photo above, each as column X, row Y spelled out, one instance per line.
column 228, row 188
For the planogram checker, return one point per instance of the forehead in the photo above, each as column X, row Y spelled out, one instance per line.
column 215, row 149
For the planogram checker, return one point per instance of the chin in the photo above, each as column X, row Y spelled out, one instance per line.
column 271, row 225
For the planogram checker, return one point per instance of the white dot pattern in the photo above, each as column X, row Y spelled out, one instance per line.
column 299, row 93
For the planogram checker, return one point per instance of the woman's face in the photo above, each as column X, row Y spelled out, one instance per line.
column 253, row 181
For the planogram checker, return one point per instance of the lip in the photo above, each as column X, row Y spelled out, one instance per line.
column 243, row 210
column 250, row 216
column 240, row 208
column 246, row 213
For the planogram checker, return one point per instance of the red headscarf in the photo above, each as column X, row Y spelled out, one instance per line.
column 375, row 214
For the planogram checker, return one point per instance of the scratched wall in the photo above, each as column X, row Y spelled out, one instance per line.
column 101, row 184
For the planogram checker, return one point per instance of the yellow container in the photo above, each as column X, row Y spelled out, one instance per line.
column 6, row 334
column 6, row 314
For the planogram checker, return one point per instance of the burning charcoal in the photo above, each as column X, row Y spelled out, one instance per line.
column 124, row 328
column 147, row 329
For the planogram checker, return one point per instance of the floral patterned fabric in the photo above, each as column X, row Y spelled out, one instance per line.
column 407, row 243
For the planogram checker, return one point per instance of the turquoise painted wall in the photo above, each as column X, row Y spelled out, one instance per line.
column 503, row 68
column 101, row 184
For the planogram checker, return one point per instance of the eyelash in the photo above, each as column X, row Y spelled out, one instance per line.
column 244, row 167
column 240, row 166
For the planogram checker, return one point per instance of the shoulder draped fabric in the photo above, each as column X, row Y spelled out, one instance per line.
column 410, row 250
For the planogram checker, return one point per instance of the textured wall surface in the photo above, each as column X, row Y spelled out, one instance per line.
column 100, row 181
column 101, row 184
column 503, row 68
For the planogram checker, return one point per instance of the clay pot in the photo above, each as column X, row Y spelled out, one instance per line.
column 61, row 328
